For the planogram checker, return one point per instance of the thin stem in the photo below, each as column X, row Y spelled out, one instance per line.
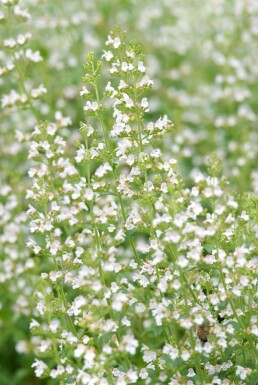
column 98, row 248
column 104, row 132
column 56, row 355
column 60, row 287
column 19, row 70
column 63, row 298
column 24, row 89
column 199, row 371
column 236, row 315
column 196, row 360
column 188, row 285
column 137, row 114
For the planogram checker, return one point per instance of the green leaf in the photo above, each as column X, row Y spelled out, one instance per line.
column 157, row 330
column 253, row 378
column 105, row 338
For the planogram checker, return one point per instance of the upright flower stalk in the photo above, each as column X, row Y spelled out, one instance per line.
column 144, row 280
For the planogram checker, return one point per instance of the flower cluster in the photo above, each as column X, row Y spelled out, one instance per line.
column 128, row 242
column 145, row 280
column 18, row 268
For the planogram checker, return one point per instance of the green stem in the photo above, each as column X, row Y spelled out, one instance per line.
column 188, row 285
column 23, row 87
column 236, row 315
column 137, row 114
column 63, row 298
column 56, row 354
column 196, row 361
column 98, row 246
column 104, row 132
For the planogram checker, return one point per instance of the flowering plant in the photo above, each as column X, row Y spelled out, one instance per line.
column 131, row 274
column 146, row 281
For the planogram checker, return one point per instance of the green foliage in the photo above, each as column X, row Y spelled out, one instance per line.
column 128, row 242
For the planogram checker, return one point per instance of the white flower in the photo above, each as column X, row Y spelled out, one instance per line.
column 103, row 169
column 116, row 42
column 163, row 285
column 89, row 194
column 140, row 308
column 185, row 355
column 11, row 99
column 57, row 372
column 145, row 104
column 54, row 275
column 191, row 373
column 145, row 81
column 171, row 351
column 91, row 106
column 22, row 347
column 141, row 67
column 51, row 129
column 126, row 66
column 164, row 187
column 254, row 330
column 80, row 154
column 242, row 372
column 84, row 91
column 128, row 101
column 186, row 323
column 34, row 324
column 244, row 216
column 173, row 382
column 10, row 43
column 132, row 376
column 54, row 325
column 80, row 350
column 111, row 89
column 125, row 321
column 130, row 343
column 143, row 374
column 120, row 236
column 41, row 308
column 21, row 12
column 182, row 261
column 40, row 367
column 130, row 160
column 143, row 281
column 37, row 92
column 33, row 56
column 149, row 356
column 108, row 55
column 122, row 85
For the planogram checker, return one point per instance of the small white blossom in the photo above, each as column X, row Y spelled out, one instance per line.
column 40, row 367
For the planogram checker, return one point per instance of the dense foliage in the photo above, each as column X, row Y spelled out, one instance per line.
column 128, row 192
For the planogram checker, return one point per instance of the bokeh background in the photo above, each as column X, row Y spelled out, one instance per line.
column 203, row 58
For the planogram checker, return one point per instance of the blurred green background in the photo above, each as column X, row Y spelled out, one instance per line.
column 202, row 56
